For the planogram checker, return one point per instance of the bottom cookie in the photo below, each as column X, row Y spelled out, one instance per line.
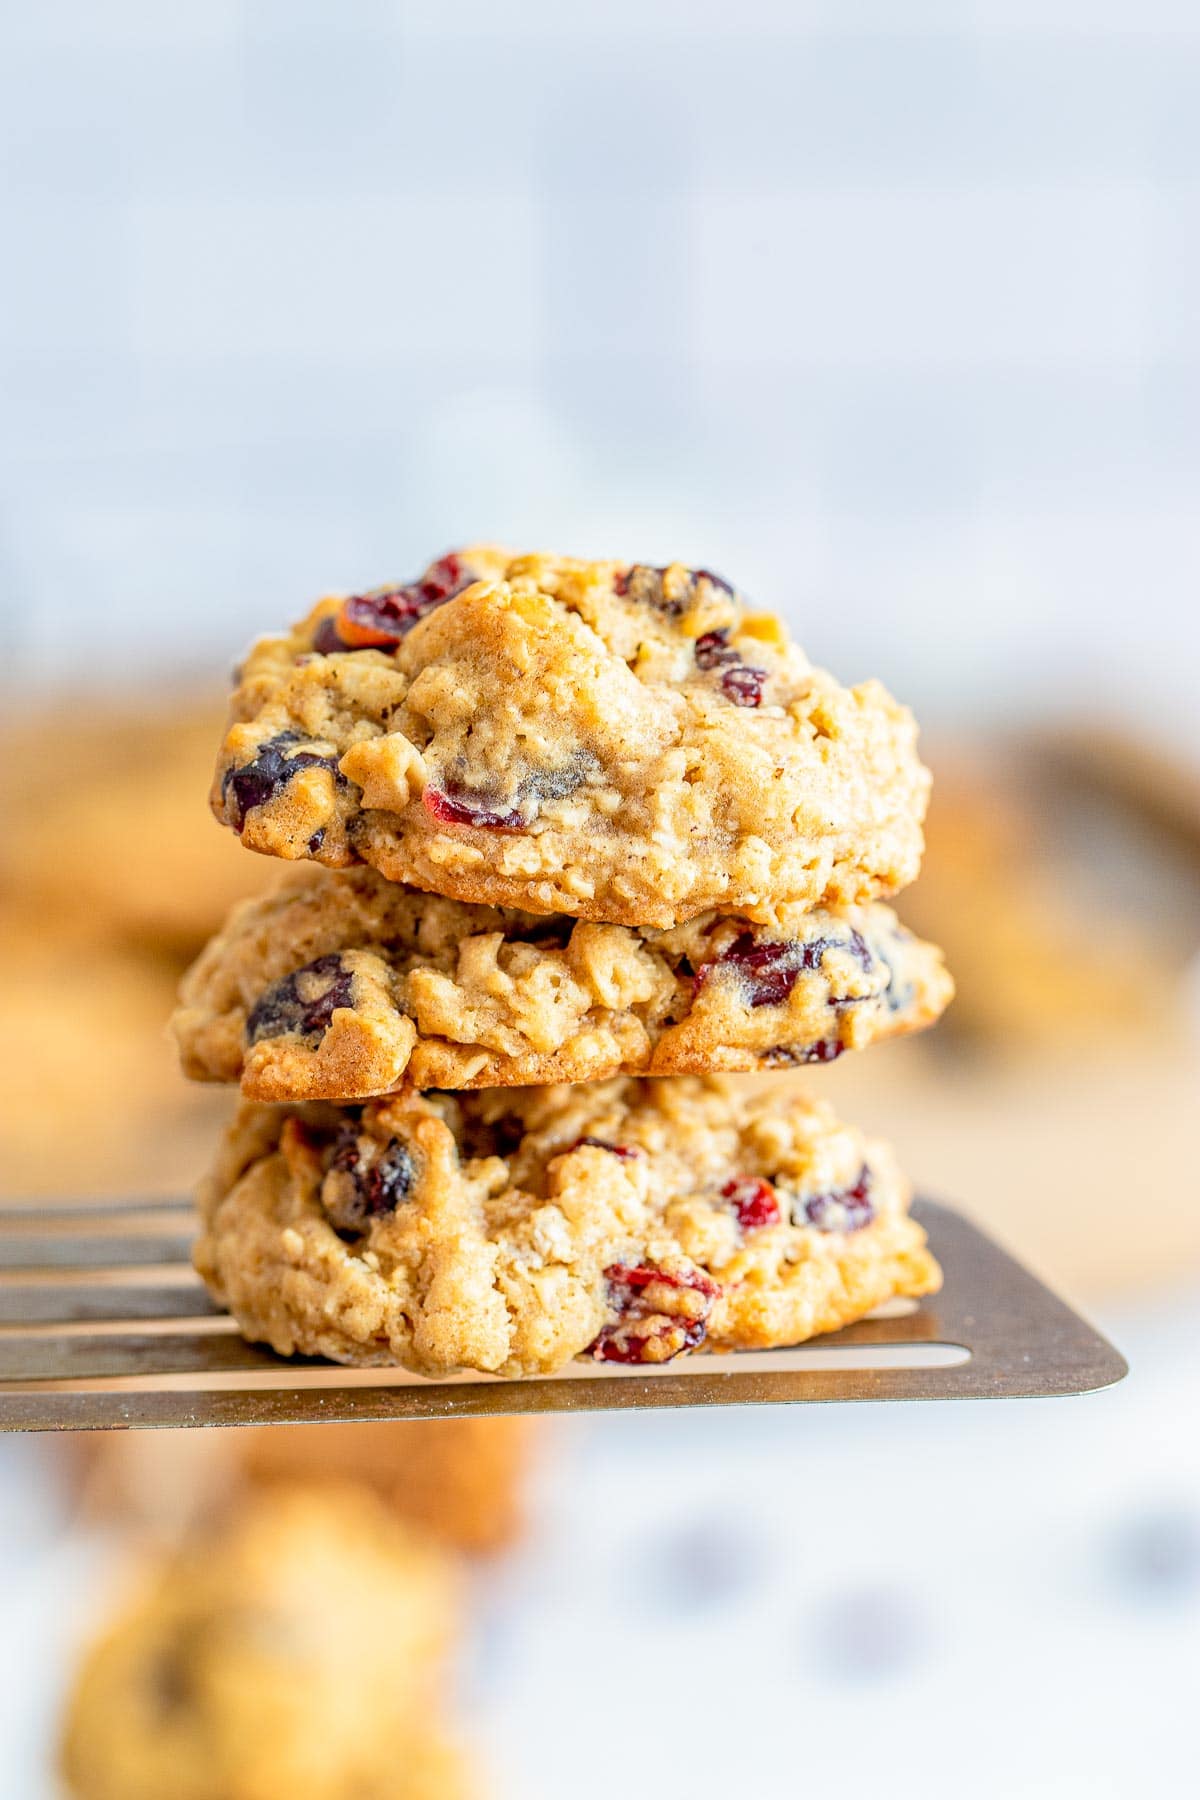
column 510, row 1230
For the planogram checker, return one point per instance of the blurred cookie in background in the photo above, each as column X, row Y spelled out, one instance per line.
column 93, row 1101
column 112, row 875
column 1065, row 918
column 1057, row 1100
column 463, row 1481
column 107, row 829
column 301, row 1650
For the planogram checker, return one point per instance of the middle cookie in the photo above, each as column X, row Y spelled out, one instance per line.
column 344, row 986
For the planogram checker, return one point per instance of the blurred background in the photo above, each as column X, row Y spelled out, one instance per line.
column 890, row 313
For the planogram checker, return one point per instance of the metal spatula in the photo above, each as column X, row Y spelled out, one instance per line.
column 103, row 1324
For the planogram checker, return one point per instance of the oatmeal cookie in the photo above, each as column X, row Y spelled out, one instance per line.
column 512, row 1229
column 299, row 1653
column 609, row 740
column 343, row 986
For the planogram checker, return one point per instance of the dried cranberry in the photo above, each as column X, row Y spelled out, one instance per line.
column 657, row 1313
column 360, row 1187
column 741, row 682
column 848, row 1209
column 480, row 1137
column 303, row 1002
column 254, row 783
column 744, row 685
column 753, row 1201
column 770, row 970
column 714, row 651
column 456, row 804
column 381, row 618
column 625, row 1151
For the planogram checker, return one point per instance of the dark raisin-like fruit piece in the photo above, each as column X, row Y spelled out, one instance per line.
column 361, row 1185
column 753, row 1201
column 848, row 1209
column 643, row 582
column 327, row 640
column 714, row 651
column 272, row 768
column 744, row 685
column 381, row 618
column 741, row 681
column 899, row 991
column 303, row 1002
column 479, row 1137
column 717, row 581
column 625, row 1151
column 770, row 970
column 657, row 1313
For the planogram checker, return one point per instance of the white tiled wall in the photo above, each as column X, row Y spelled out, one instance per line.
column 892, row 312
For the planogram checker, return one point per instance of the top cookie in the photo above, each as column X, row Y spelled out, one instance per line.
column 609, row 740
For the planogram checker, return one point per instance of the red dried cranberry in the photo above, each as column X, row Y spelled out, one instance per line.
column 848, row 1209
column 744, row 685
column 358, row 1188
column 256, row 782
column 453, row 805
column 647, row 1329
column 381, row 618
column 770, row 970
column 303, row 1002
column 741, row 682
column 753, row 1201
column 624, row 1151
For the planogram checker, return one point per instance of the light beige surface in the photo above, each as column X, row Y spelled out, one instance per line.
column 1084, row 1167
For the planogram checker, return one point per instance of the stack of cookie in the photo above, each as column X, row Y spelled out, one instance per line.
column 593, row 837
